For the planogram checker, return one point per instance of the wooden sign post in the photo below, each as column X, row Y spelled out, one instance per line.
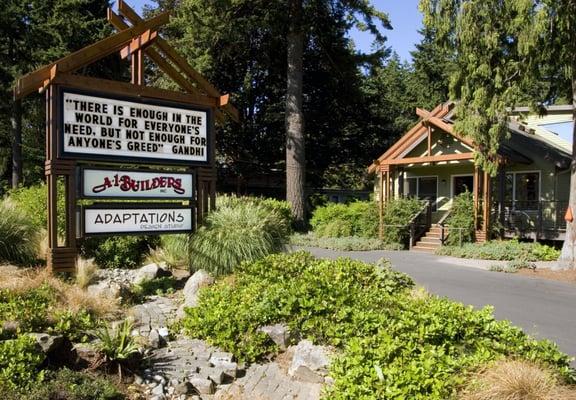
column 109, row 140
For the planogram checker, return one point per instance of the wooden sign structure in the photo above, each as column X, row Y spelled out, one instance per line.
column 96, row 127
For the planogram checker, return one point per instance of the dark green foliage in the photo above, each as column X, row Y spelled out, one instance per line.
column 396, row 345
column 461, row 217
column 20, row 361
column 118, row 251
column 359, row 218
column 240, row 231
column 65, row 384
column 507, row 250
column 19, row 237
column 398, row 213
column 352, row 243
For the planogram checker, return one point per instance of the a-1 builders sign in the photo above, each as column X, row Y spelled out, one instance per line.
column 122, row 129
column 133, row 184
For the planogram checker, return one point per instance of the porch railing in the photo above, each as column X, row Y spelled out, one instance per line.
column 542, row 219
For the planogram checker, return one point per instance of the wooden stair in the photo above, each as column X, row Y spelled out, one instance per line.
column 430, row 241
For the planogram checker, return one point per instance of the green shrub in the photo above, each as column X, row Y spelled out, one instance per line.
column 118, row 251
column 117, row 343
column 20, row 361
column 157, row 286
column 35, row 310
column 237, row 232
column 342, row 243
column 19, row 237
column 394, row 345
column 504, row 250
column 71, row 385
column 281, row 207
column 359, row 218
column 398, row 213
column 461, row 217
column 33, row 201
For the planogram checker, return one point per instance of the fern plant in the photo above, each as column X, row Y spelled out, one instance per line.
column 117, row 344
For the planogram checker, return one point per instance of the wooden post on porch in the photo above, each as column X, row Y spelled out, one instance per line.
column 501, row 199
column 476, row 192
column 486, row 205
column 381, row 206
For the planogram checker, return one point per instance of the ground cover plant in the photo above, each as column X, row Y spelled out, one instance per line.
column 352, row 243
column 392, row 344
column 505, row 250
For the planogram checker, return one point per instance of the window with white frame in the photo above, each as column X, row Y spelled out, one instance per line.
column 423, row 188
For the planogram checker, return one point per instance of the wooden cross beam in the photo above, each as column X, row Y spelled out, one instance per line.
column 35, row 80
column 138, row 43
column 183, row 65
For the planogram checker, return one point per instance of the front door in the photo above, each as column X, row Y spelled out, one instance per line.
column 461, row 184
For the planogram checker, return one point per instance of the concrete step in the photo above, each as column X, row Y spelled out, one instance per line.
column 427, row 244
column 431, row 240
column 424, row 249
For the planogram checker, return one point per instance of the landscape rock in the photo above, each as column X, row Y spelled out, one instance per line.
column 158, row 390
column 197, row 281
column 309, row 362
column 149, row 272
column 48, row 343
column 279, row 334
column 155, row 340
column 183, row 388
column 10, row 327
column 202, row 385
column 106, row 288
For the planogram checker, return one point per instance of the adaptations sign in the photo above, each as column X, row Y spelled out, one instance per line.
column 114, row 183
column 105, row 128
column 117, row 219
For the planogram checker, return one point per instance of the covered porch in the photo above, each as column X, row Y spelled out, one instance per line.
column 432, row 163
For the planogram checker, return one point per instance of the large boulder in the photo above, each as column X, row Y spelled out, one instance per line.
column 106, row 288
column 48, row 343
column 309, row 362
column 193, row 285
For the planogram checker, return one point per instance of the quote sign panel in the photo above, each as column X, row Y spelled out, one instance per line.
column 152, row 219
column 102, row 183
column 106, row 128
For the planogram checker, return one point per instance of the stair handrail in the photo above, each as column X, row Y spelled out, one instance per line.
column 426, row 211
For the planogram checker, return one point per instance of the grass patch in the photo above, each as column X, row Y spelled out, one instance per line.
column 19, row 236
column 517, row 379
column 342, row 243
column 503, row 250
column 393, row 343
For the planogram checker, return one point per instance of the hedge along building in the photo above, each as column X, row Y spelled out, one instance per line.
column 85, row 132
column 527, row 199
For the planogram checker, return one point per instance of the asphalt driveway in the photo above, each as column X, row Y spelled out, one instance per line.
column 543, row 308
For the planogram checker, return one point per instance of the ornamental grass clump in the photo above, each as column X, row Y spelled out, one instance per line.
column 244, row 231
column 19, row 237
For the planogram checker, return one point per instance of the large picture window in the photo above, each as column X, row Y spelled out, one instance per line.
column 423, row 188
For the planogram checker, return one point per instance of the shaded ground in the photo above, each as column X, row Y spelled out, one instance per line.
column 543, row 308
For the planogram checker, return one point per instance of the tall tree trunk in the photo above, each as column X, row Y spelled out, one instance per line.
column 568, row 255
column 295, row 141
column 16, row 121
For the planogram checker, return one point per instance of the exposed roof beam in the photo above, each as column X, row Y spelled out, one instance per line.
column 429, row 159
column 35, row 80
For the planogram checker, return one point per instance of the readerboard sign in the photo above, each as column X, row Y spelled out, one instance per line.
column 139, row 130
column 113, row 183
column 116, row 219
